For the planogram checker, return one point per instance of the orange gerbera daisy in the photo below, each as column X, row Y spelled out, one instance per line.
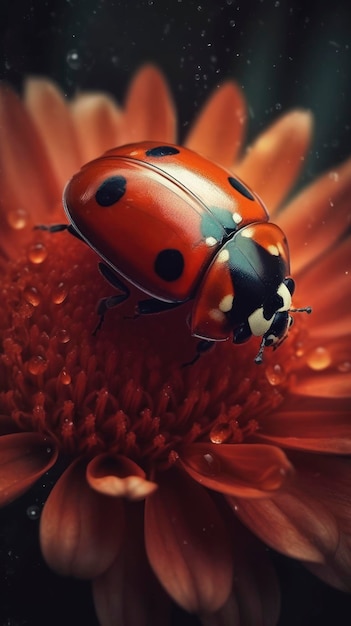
column 171, row 472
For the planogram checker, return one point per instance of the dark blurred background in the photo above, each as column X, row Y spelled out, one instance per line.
column 284, row 55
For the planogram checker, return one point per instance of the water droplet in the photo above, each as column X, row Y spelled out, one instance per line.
column 59, row 294
column 209, row 464
column 32, row 295
column 63, row 335
column 220, row 432
column 319, row 358
column 73, row 59
column 299, row 349
column 37, row 365
column 37, row 253
column 33, row 512
column 275, row 374
column 232, row 23
column 17, row 219
column 64, row 377
column 344, row 367
column 334, row 176
column 278, row 106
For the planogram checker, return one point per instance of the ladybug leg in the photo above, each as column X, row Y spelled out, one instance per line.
column 202, row 346
column 56, row 228
column 105, row 304
column 152, row 305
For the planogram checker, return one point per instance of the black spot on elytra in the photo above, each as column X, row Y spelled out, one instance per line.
column 240, row 187
column 162, row 151
column 110, row 191
column 169, row 264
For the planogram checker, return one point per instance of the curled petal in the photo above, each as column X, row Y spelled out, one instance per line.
column 54, row 122
column 128, row 593
column 187, row 543
column 218, row 130
column 323, row 431
column 149, row 110
column 81, row 531
column 272, row 164
column 97, row 120
column 317, row 217
column 24, row 457
column 118, row 476
column 245, row 470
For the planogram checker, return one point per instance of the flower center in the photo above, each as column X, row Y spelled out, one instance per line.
column 124, row 390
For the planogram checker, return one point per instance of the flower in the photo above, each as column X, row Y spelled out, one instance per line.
column 172, row 476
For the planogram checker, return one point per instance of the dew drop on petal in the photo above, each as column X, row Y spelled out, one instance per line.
column 275, row 374
column 59, row 294
column 299, row 349
column 63, row 335
column 33, row 512
column 17, row 219
column 32, row 295
column 37, row 365
column 319, row 358
column 64, row 377
column 208, row 464
column 344, row 367
column 37, row 253
column 220, row 432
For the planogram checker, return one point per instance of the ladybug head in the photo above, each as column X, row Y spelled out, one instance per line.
column 281, row 321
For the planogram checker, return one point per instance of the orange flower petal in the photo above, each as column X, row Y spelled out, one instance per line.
column 54, row 122
column 219, row 128
column 245, row 470
column 275, row 159
column 328, row 480
column 118, row 477
column 293, row 523
column 128, row 593
column 29, row 188
column 323, row 431
column 328, row 385
column 149, row 109
column 187, row 544
column 81, row 531
column 255, row 597
column 331, row 315
column 97, row 120
column 24, row 457
column 317, row 217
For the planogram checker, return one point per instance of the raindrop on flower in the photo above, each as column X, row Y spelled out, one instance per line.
column 17, row 219
column 344, row 367
column 275, row 374
column 220, row 432
column 319, row 358
column 59, row 294
column 64, row 377
column 63, row 335
column 32, row 295
column 37, row 253
column 37, row 365
column 73, row 59
column 334, row 176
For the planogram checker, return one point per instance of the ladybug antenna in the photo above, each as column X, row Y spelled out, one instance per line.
column 259, row 355
column 306, row 309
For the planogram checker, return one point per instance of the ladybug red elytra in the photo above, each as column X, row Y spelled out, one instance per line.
column 182, row 228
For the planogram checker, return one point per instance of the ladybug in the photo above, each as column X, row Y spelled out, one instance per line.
column 181, row 228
